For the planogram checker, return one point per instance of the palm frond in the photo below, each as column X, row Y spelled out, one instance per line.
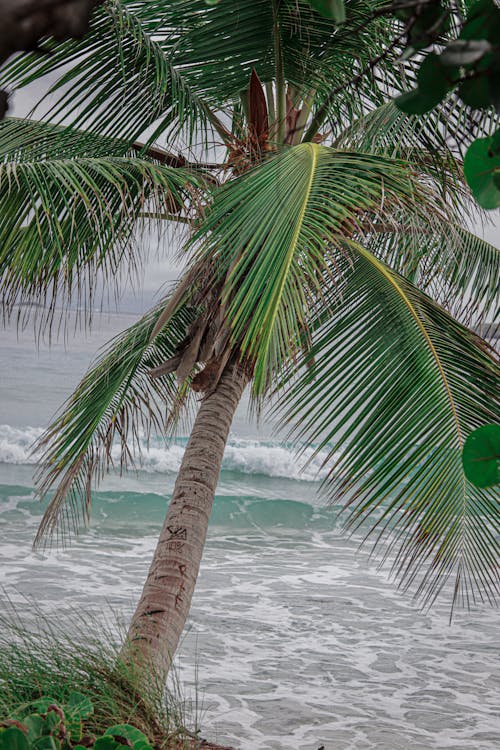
column 271, row 234
column 119, row 79
column 457, row 269
column 70, row 202
column 117, row 404
column 352, row 67
column 447, row 129
column 391, row 388
column 177, row 66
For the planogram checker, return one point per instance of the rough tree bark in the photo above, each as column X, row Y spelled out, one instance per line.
column 25, row 22
column 164, row 605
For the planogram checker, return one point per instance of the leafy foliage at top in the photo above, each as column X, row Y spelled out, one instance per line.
column 468, row 63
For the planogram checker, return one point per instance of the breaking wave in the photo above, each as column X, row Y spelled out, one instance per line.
column 267, row 458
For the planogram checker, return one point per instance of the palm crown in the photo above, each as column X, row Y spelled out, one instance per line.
column 325, row 253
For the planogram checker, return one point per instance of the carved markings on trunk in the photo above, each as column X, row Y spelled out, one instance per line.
column 179, row 532
column 178, row 535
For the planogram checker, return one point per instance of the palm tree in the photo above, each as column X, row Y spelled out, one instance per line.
column 325, row 249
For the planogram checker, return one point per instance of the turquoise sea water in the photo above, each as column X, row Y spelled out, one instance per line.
column 295, row 639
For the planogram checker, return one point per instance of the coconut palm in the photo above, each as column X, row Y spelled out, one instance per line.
column 325, row 244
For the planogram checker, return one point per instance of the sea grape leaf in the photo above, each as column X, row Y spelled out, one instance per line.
column 475, row 92
column 483, row 22
column 39, row 706
column 47, row 742
column 79, row 704
column 416, row 102
column 434, row 81
column 34, row 724
column 495, row 143
column 138, row 740
column 481, row 456
column 107, row 743
column 465, row 51
column 481, row 168
column 13, row 739
column 431, row 21
column 51, row 722
column 434, row 77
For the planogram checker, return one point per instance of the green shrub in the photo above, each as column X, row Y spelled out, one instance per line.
column 73, row 670
column 45, row 725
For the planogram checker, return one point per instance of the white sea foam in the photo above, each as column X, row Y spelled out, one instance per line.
column 268, row 458
column 16, row 445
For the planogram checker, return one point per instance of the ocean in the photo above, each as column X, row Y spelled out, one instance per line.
column 296, row 639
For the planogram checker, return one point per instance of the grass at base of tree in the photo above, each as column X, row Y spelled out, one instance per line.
column 45, row 658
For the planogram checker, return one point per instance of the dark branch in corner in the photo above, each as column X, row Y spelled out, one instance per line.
column 25, row 22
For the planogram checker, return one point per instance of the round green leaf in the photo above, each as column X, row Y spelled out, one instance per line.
column 40, row 705
column 430, row 21
column 495, row 143
column 79, row 704
column 34, row 724
column 107, row 743
column 416, row 102
column 481, row 167
column 47, row 742
column 465, row 51
column 434, row 82
column 13, row 739
column 132, row 734
column 481, row 456
column 483, row 22
column 434, row 78
column 475, row 92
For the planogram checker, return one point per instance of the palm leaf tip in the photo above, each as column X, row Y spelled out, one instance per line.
column 106, row 420
column 70, row 203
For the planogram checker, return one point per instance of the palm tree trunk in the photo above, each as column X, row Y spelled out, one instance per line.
column 166, row 598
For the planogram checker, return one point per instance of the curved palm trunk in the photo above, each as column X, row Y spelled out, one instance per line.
column 166, row 598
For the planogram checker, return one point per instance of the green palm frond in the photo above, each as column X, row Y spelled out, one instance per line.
column 393, row 386
column 116, row 404
column 272, row 233
column 120, row 79
column 457, row 269
column 70, row 202
column 448, row 128
column 177, row 65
